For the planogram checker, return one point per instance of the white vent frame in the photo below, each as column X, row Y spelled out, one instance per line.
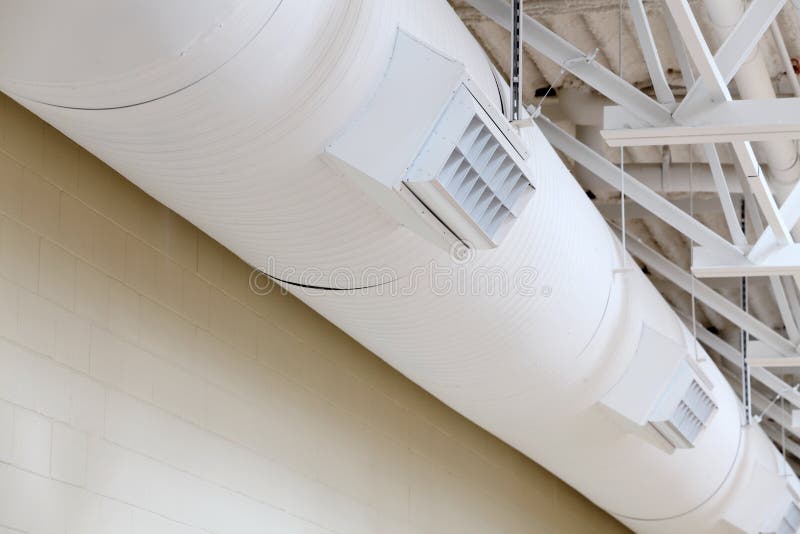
column 425, row 114
column 663, row 393
column 790, row 520
column 685, row 410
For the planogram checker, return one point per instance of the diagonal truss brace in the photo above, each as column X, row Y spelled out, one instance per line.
column 740, row 43
column 646, row 197
column 716, row 85
column 650, row 52
column 569, row 57
column 711, row 298
column 734, row 356
column 714, row 163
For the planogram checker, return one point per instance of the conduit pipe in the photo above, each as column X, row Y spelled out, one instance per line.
column 574, row 359
column 754, row 83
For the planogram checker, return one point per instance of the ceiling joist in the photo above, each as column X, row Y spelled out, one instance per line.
column 723, row 122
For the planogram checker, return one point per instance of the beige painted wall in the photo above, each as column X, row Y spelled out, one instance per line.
column 144, row 388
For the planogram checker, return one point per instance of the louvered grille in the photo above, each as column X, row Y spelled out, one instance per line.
column 483, row 179
column 690, row 414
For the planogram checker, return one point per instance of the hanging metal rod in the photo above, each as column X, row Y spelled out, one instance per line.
column 516, row 59
column 563, row 53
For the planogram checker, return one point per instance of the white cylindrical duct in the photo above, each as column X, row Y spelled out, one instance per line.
column 551, row 341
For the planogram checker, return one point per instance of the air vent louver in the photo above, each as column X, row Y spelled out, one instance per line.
column 480, row 189
column 688, row 416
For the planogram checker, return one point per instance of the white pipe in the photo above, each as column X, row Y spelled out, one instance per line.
column 780, row 45
column 753, row 82
column 238, row 150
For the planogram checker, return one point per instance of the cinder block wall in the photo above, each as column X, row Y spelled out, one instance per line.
column 145, row 389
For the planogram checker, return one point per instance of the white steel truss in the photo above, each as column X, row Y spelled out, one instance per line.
column 722, row 122
column 705, row 116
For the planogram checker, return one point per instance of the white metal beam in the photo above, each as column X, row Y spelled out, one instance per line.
column 732, row 354
column 785, row 297
column 724, row 194
column 646, row 197
column 738, row 46
column 765, row 201
column 682, row 177
column 698, row 50
column 780, row 361
column 573, row 60
column 721, row 122
column 762, row 355
column 790, row 214
column 782, row 261
column 650, row 52
column 715, row 165
column 680, row 51
column 711, row 298
column 718, row 89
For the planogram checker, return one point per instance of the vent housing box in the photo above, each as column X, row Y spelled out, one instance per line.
column 435, row 153
column 665, row 391
column 685, row 408
column 790, row 522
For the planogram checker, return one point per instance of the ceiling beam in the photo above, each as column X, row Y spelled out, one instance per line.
column 648, row 46
column 790, row 213
column 732, row 355
column 782, row 261
column 762, row 355
column 573, row 60
column 721, row 122
column 780, row 361
column 646, row 197
column 737, row 47
column 710, row 76
column 710, row 298
column 720, row 182
column 716, row 86
column 723, row 191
